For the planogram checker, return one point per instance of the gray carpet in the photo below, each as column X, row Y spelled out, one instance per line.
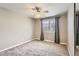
column 37, row 48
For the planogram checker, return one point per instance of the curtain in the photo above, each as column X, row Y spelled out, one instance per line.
column 57, row 38
column 42, row 32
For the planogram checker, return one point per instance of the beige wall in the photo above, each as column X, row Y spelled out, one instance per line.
column 14, row 29
column 48, row 36
column 71, row 29
column 37, row 29
column 63, row 29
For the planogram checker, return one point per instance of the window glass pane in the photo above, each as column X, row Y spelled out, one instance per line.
column 45, row 25
column 49, row 25
column 52, row 25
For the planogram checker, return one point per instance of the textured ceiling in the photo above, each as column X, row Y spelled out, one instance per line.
column 26, row 8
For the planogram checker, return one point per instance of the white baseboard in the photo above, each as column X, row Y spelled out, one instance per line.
column 63, row 43
column 36, row 38
column 16, row 45
column 52, row 41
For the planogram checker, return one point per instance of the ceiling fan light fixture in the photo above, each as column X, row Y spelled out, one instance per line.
column 38, row 12
column 36, row 9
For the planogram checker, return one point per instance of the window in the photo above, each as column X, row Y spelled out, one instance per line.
column 49, row 25
column 45, row 25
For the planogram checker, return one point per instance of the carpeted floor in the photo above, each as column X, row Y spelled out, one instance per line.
column 37, row 48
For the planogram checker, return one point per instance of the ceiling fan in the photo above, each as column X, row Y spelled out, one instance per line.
column 37, row 9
